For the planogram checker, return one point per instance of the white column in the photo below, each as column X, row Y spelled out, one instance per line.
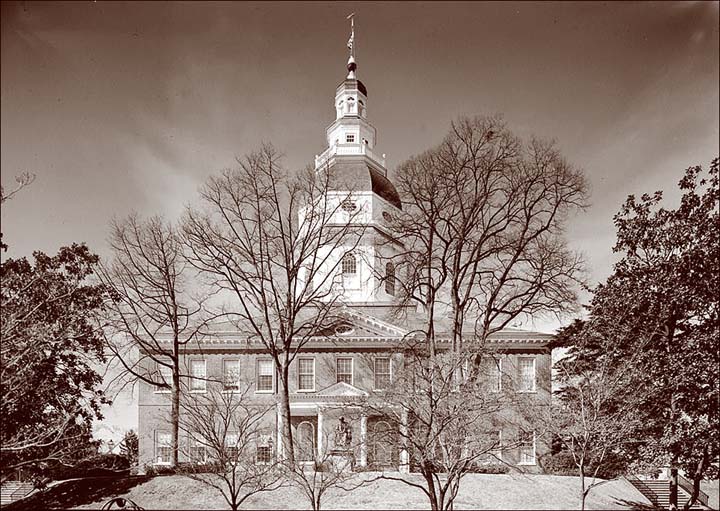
column 280, row 453
column 320, row 432
column 363, row 440
column 404, row 456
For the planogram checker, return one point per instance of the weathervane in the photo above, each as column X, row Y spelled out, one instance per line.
column 351, row 41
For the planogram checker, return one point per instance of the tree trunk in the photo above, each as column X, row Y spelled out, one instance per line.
column 288, row 448
column 582, row 489
column 697, row 477
column 175, row 412
column 673, row 487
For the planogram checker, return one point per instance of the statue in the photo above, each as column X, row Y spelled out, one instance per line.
column 343, row 435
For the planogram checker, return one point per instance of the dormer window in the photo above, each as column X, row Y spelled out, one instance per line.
column 350, row 138
column 348, row 205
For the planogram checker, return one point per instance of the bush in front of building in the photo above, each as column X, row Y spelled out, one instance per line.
column 563, row 464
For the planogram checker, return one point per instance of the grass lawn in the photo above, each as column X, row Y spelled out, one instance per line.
column 478, row 491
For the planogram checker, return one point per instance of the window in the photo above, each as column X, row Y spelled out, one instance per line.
column 349, row 264
column 163, row 447
column 198, row 450
column 344, row 330
column 492, row 373
column 491, row 447
column 361, row 107
column 382, row 373
column 165, row 376
column 350, row 138
column 306, row 441
column 390, row 279
column 265, row 374
column 231, row 375
column 526, row 370
column 264, row 450
column 306, row 374
column 348, row 205
column 344, row 369
column 231, row 446
column 387, row 216
column 527, row 448
column 198, row 382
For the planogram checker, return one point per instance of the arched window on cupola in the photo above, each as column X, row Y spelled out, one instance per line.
column 349, row 264
column 340, row 107
column 390, row 279
column 361, row 108
column 351, row 105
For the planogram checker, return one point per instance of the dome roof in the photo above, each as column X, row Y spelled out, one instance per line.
column 355, row 174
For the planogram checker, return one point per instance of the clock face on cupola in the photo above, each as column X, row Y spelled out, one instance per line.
column 359, row 182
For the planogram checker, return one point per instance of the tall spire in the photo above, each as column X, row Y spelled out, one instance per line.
column 351, row 65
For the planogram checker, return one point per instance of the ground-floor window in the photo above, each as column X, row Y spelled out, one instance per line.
column 264, row 449
column 163, row 447
column 527, row 448
column 198, row 450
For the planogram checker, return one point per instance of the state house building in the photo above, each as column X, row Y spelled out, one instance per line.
column 329, row 375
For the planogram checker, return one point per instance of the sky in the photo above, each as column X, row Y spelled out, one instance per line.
column 120, row 107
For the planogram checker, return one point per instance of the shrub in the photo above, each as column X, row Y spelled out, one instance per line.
column 562, row 464
column 490, row 468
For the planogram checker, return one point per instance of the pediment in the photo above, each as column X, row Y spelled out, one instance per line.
column 342, row 389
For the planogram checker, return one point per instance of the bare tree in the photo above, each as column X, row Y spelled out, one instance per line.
column 483, row 229
column 323, row 470
column 275, row 241
column 228, row 446
column 446, row 427
column 155, row 312
column 595, row 416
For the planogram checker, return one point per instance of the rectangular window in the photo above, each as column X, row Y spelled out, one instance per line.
column 344, row 369
column 231, row 375
column 231, row 446
column 350, row 138
column 382, row 373
column 306, row 374
column 164, row 376
column 527, row 448
column 198, row 381
column 490, row 447
column 163, row 447
column 493, row 373
column 264, row 450
column 265, row 376
column 526, row 374
column 198, row 450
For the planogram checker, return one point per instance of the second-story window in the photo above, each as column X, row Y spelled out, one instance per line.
column 231, row 375
column 526, row 374
column 306, row 374
column 492, row 372
column 265, row 371
column 390, row 279
column 382, row 373
column 198, row 449
column 164, row 376
column 198, row 381
column 350, row 138
column 345, row 370
column 349, row 264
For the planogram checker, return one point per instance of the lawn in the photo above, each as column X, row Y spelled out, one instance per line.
column 479, row 491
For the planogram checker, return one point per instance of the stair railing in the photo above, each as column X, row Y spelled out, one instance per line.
column 687, row 485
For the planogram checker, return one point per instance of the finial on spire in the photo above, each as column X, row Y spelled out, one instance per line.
column 351, row 65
